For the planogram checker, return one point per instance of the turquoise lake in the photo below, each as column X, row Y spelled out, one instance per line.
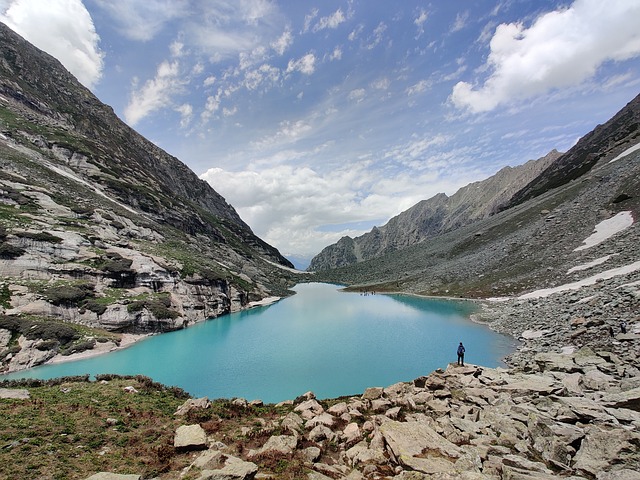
column 321, row 339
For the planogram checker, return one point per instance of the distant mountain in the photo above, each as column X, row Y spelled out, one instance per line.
column 434, row 216
column 511, row 235
column 100, row 227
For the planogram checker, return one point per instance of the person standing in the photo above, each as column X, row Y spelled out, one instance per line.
column 461, row 354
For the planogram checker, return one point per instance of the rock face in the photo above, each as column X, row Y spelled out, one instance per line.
column 434, row 216
column 102, row 228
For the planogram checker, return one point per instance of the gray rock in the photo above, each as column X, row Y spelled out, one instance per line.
column 113, row 476
column 15, row 393
column 419, row 447
column 190, row 437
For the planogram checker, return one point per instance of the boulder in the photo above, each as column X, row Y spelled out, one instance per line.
column 417, row 446
column 629, row 399
column 309, row 409
column 190, row 437
column 192, row 404
column 15, row 393
column 604, row 448
column 235, row 470
column 351, row 434
column 113, row 476
column 372, row 393
column 277, row 445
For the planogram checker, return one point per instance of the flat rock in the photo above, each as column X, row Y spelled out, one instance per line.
column 418, row 446
column 15, row 393
column 190, row 437
column 113, row 476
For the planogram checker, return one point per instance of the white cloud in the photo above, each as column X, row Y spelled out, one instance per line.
column 461, row 21
column 156, row 93
column 332, row 21
column 283, row 42
column 420, row 20
column 357, row 95
column 143, row 20
column 419, row 87
column 336, row 54
column 62, row 28
column 309, row 18
column 186, row 114
column 376, row 38
column 560, row 49
column 304, row 65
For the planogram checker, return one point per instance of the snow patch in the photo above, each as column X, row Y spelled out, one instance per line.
column 606, row 229
column 626, row 152
column 597, row 261
column 545, row 292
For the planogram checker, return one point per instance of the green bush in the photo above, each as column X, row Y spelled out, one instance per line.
column 10, row 252
column 48, row 345
column 95, row 306
column 69, row 295
column 79, row 347
column 52, row 331
column 40, row 237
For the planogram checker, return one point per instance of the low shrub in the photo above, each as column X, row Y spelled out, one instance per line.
column 79, row 347
column 69, row 295
column 10, row 252
column 40, row 237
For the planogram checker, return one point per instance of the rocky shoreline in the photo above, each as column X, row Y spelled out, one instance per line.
column 568, row 406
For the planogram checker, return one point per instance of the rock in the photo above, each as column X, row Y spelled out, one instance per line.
column 15, row 393
column 190, row 437
column 292, row 423
column 419, row 447
column 601, row 449
column 325, row 419
column 309, row 409
column 311, row 454
column 191, row 404
column 113, row 476
column 235, row 470
column 372, row 393
column 361, row 454
column 320, row 432
column 351, row 434
column 338, row 409
column 628, row 399
column 279, row 445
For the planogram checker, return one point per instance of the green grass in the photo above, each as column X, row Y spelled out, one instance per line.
column 62, row 431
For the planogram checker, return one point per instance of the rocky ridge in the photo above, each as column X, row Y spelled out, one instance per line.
column 437, row 215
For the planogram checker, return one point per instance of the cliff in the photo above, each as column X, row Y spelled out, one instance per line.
column 100, row 228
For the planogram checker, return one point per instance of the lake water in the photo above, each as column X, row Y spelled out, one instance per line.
column 321, row 339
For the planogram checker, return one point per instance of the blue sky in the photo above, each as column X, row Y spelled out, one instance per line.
column 317, row 120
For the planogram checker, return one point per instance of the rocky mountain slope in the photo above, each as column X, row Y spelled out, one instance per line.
column 101, row 229
column 437, row 215
column 532, row 244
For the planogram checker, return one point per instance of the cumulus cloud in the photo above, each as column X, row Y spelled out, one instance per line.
column 62, row 28
column 562, row 48
column 156, row 93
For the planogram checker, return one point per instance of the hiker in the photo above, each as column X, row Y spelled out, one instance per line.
column 623, row 327
column 461, row 354
column 611, row 332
